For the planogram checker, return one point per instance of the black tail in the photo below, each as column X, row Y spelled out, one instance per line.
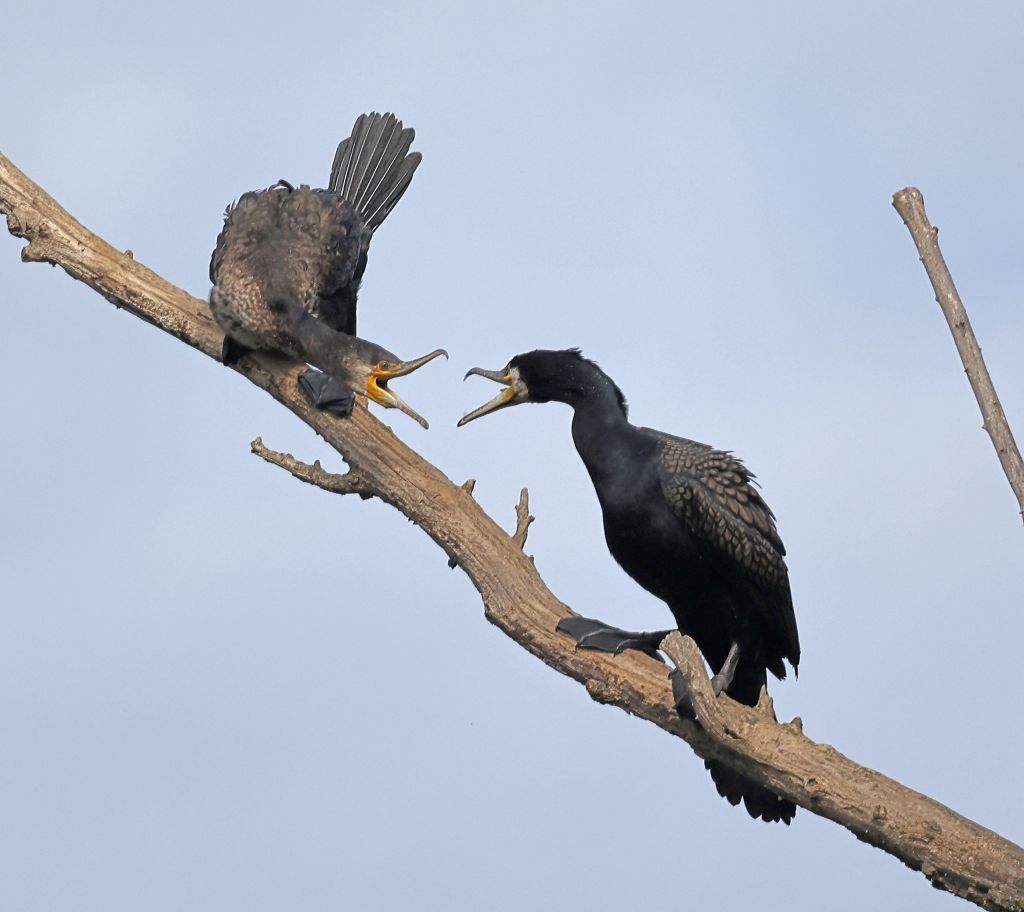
column 760, row 802
column 373, row 167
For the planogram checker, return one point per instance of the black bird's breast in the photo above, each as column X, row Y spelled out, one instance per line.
column 644, row 536
column 642, row 533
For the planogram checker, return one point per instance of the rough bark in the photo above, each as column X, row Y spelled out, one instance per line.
column 954, row 853
column 909, row 203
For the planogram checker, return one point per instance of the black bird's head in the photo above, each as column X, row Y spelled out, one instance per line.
column 543, row 376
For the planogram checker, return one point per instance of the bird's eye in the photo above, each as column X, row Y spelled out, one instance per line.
column 384, row 365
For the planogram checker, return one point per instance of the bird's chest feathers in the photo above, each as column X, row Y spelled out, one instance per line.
column 637, row 521
column 643, row 534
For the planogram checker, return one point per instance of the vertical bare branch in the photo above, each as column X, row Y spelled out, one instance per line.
column 910, row 205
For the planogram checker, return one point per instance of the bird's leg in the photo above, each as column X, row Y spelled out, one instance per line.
column 327, row 393
column 596, row 635
column 681, row 696
column 723, row 678
column 231, row 350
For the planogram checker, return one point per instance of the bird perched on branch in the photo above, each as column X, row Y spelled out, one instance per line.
column 288, row 262
column 686, row 522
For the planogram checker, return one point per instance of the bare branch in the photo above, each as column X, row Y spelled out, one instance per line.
column 910, row 205
column 352, row 482
column 523, row 519
column 953, row 852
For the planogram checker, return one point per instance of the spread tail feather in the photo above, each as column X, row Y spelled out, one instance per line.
column 373, row 167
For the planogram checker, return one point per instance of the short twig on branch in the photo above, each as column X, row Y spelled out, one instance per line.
column 351, row 482
column 910, row 205
column 523, row 519
column 953, row 852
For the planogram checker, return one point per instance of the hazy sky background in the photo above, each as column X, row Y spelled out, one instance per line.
column 222, row 689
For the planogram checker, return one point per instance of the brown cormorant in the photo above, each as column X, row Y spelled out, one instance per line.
column 287, row 266
column 686, row 522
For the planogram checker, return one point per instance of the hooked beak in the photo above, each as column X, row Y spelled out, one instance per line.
column 515, row 392
column 377, row 383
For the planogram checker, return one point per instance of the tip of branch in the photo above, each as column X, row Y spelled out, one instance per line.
column 906, row 192
column 909, row 203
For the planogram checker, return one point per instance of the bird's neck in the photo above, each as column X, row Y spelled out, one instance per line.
column 601, row 431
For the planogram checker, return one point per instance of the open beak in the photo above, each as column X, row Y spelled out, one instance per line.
column 377, row 383
column 513, row 393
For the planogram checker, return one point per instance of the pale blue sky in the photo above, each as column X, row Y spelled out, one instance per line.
column 213, row 693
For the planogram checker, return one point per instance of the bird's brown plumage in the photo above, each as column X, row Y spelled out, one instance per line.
column 309, row 246
column 300, row 245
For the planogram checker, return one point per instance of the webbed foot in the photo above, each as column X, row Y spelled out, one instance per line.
column 327, row 393
column 593, row 634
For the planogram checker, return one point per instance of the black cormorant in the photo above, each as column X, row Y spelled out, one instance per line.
column 686, row 522
column 287, row 266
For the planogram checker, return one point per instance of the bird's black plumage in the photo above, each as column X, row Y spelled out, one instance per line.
column 286, row 252
column 686, row 522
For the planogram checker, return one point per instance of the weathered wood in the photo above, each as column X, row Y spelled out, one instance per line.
column 909, row 203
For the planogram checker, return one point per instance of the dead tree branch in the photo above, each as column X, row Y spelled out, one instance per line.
column 910, row 205
column 954, row 853
column 352, row 482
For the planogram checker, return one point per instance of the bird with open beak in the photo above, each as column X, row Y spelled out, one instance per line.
column 514, row 391
column 289, row 261
column 685, row 521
